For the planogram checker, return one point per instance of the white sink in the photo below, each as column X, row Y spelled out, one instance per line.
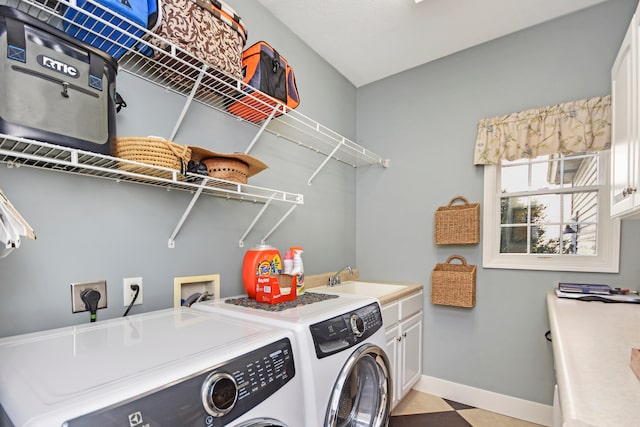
column 370, row 289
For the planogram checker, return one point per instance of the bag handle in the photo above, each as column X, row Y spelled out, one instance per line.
column 466, row 202
column 96, row 70
column 16, row 40
column 458, row 257
column 227, row 17
column 275, row 62
column 120, row 102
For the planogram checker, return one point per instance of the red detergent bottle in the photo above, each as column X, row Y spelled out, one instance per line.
column 262, row 260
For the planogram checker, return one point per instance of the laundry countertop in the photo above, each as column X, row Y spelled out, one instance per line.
column 592, row 344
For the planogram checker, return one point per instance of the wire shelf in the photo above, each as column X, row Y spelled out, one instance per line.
column 17, row 152
column 177, row 70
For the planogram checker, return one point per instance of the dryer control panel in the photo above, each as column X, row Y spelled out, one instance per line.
column 346, row 330
column 208, row 399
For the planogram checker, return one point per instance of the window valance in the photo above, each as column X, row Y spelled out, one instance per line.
column 568, row 128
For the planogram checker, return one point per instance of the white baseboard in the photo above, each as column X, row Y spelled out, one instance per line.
column 500, row 403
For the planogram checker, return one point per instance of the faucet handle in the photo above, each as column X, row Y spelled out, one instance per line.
column 335, row 279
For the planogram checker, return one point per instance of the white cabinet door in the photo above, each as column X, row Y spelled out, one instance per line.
column 403, row 328
column 393, row 345
column 410, row 353
column 624, row 142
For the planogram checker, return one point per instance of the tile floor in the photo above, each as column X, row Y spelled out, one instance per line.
column 421, row 409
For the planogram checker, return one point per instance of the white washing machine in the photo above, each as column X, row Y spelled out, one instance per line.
column 341, row 341
column 175, row 367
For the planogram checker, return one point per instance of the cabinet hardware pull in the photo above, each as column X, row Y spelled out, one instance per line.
column 629, row 191
column 404, row 335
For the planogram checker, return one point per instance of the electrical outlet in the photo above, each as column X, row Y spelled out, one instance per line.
column 129, row 293
column 77, row 305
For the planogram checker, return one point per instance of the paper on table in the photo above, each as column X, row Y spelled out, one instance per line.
column 634, row 299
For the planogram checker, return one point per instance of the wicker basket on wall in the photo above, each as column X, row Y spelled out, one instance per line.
column 454, row 284
column 457, row 224
column 154, row 151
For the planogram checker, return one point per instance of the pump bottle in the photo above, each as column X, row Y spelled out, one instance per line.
column 298, row 269
column 288, row 263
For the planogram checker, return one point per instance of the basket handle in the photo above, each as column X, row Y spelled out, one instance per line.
column 466, row 202
column 175, row 150
column 458, row 257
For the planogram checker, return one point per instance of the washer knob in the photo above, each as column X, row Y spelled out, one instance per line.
column 219, row 393
column 357, row 325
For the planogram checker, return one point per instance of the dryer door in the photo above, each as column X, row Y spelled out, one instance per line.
column 361, row 396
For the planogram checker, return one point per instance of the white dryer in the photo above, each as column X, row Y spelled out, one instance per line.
column 341, row 341
column 175, row 367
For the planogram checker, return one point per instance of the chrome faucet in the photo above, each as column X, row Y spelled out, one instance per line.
column 335, row 279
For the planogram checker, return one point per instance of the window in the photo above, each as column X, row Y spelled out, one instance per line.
column 550, row 213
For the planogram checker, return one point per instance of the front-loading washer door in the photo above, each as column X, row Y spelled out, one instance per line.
column 361, row 396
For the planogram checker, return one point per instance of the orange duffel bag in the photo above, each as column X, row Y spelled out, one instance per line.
column 263, row 68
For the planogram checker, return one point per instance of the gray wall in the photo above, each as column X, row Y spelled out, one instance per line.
column 91, row 229
column 425, row 120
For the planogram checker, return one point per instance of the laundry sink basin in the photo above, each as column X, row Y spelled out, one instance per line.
column 354, row 287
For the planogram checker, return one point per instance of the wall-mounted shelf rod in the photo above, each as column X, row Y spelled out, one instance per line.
column 264, row 239
column 172, row 243
column 262, row 128
column 187, row 103
column 253, row 223
column 337, row 147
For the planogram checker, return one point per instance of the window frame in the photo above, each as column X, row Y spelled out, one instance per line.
column 607, row 259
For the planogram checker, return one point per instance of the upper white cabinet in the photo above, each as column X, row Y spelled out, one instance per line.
column 625, row 142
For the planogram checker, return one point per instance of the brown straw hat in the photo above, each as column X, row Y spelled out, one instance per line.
column 255, row 165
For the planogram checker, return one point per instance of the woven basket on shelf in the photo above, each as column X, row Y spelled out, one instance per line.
column 227, row 169
column 153, row 151
column 454, row 284
column 457, row 224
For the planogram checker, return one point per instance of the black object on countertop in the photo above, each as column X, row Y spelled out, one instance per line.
column 605, row 299
column 304, row 299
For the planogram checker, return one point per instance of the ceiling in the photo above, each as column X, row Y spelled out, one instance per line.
column 367, row 40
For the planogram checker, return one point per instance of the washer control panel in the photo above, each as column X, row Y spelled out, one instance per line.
column 208, row 399
column 346, row 330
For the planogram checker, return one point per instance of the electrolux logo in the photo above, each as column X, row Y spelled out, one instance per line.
column 58, row 66
column 135, row 420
